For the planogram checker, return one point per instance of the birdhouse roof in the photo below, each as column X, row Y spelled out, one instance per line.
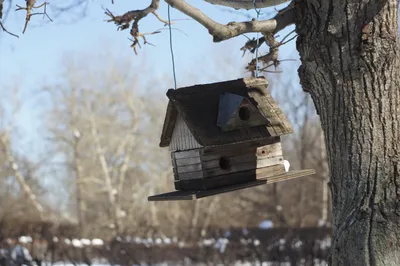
column 200, row 108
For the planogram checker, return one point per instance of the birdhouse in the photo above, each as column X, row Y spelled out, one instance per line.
column 223, row 137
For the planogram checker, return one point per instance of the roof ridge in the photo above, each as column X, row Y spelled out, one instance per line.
column 199, row 106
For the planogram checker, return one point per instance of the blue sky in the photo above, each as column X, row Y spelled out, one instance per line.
column 35, row 58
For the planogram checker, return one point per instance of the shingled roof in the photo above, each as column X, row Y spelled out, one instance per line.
column 199, row 106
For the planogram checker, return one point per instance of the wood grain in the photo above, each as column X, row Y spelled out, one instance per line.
column 196, row 194
column 198, row 106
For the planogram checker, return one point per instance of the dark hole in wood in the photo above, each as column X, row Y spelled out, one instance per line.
column 224, row 163
column 263, row 152
column 244, row 113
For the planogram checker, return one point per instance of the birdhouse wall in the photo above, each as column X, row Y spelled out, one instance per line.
column 228, row 181
column 247, row 161
column 226, row 160
column 187, row 164
column 182, row 139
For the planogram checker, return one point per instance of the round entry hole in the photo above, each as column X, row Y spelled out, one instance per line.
column 224, row 163
column 244, row 113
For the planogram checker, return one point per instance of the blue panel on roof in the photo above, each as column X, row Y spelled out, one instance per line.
column 236, row 112
column 228, row 104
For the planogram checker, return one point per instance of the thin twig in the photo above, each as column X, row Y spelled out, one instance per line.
column 160, row 19
column 287, row 35
column 1, row 17
column 5, row 30
column 251, row 45
column 124, row 22
column 30, row 5
column 291, row 39
column 264, row 69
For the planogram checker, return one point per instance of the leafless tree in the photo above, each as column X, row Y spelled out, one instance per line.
column 106, row 129
column 350, row 66
column 21, row 190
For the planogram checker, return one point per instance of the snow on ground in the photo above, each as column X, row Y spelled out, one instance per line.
column 316, row 263
column 218, row 243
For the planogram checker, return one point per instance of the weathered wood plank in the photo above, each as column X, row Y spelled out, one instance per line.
column 229, row 179
column 205, row 162
column 268, row 151
column 193, row 195
column 169, row 124
column 189, row 175
column 188, row 168
column 182, row 195
column 212, row 168
column 186, row 154
column 186, row 161
column 270, row 171
column 182, row 138
column 245, row 154
column 214, row 161
column 209, row 183
column 248, row 145
column 280, row 124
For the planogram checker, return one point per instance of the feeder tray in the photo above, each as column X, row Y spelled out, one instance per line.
column 223, row 137
column 193, row 195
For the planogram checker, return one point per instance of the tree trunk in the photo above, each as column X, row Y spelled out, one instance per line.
column 350, row 66
column 325, row 180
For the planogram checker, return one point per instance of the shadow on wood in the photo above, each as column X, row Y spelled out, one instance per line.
column 193, row 195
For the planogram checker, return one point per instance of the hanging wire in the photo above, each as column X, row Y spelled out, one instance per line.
column 258, row 40
column 171, row 46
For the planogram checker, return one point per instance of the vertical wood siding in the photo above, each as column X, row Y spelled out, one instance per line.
column 182, row 139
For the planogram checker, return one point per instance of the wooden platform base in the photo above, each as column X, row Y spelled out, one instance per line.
column 193, row 195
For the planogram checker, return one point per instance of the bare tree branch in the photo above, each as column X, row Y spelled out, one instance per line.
column 111, row 191
column 135, row 16
column 247, row 4
column 222, row 32
column 4, row 139
column 1, row 17
column 30, row 5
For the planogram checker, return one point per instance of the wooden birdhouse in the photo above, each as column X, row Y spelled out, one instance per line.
column 223, row 137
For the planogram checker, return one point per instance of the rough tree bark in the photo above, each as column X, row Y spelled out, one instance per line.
column 350, row 65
